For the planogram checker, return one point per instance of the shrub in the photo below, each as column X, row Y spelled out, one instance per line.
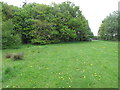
column 9, row 38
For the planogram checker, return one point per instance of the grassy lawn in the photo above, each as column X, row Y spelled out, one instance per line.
column 66, row 65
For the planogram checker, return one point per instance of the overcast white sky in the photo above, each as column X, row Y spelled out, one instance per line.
column 94, row 10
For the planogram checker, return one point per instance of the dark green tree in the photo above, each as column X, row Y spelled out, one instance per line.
column 44, row 24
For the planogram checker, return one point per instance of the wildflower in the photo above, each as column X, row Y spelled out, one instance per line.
column 99, row 79
column 99, row 76
column 62, row 78
column 69, row 86
column 84, row 76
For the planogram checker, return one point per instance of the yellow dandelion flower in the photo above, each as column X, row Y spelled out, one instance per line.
column 69, row 86
column 99, row 76
column 99, row 79
column 84, row 76
column 61, row 77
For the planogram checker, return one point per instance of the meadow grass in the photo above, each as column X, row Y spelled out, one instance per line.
column 66, row 65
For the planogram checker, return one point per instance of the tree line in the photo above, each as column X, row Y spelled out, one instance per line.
column 43, row 24
column 109, row 27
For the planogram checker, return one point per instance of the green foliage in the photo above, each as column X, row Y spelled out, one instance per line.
column 67, row 34
column 8, row 11
column 9, row 38
column 44, row 24
column 109, row 27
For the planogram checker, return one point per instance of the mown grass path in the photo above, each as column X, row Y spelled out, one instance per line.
column 68, row 65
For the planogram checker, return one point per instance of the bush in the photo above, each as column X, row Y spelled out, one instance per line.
column 9, row 38
column 51, row 24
